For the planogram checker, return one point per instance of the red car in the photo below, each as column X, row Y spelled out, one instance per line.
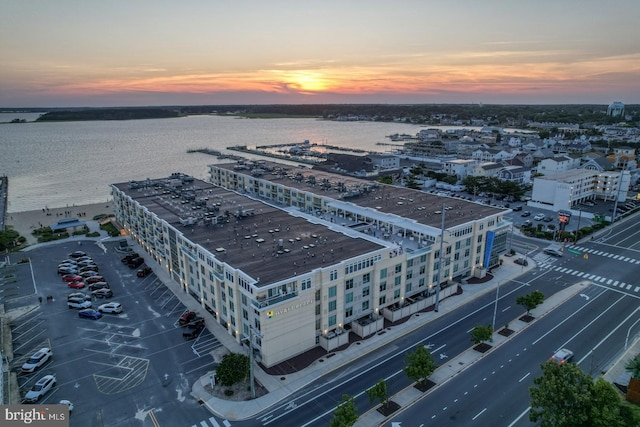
column 95, row 279
column 76, row 285
column 71, row 278
column 144, row 272
column 187, row 317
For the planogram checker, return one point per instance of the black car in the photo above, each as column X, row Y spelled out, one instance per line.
column 135, row 262
column 144, row 272
column 98, row 285
column 126, row 259
column 521, row 261
column 525, row 213
column 517, row 208
column 193, row 330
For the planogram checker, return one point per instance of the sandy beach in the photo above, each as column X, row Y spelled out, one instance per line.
column 25, row 222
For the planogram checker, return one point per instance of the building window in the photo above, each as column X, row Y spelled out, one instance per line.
column 332, row 305
column 383, row 286
column 348, row 298
column 382, row 300
column 366, row 278
column 396, row 294
column 397, row 281
column 333, row 275
column 398, row 268
column 348, row 312
column 365, row 291
column 333, row 291
column 407, row 288
column 365, row 305
column 383, row 273
column 348, row 284
column 332, row 320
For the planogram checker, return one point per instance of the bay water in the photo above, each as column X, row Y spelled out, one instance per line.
column 73, row 163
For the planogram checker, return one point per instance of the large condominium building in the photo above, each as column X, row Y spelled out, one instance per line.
column 296, row 258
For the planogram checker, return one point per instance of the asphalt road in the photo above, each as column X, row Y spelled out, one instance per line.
column 448, row 336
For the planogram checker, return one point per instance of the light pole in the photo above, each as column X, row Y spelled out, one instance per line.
column 440, row 261
column 495, row 308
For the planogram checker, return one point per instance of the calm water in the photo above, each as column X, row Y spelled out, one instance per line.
column 60, row 164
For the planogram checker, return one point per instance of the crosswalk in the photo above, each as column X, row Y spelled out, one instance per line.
column 598, row 279
column 601, row 253
column 213, row 422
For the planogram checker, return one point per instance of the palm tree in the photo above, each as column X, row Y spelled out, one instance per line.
column 633, row 366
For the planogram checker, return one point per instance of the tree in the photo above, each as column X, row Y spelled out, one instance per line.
column 530, row 301
column 378, row 391
column 346, row 414
column 633, row 366
column 233, row 368
column 420, row 364
column 561, row 396
column 605, row 405
column 480, row 334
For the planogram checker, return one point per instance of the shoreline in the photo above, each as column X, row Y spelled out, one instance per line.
column 25, row 222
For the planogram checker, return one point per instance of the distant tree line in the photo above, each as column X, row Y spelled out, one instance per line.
column 108, row 114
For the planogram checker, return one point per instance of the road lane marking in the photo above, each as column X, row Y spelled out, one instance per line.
column 629, row 287
column 609, row 281
column 479, row 413
column 520, row 416
column 213, row 422
column 522, row 379
column 616, row 283
column 506, row 309
column 636, row 289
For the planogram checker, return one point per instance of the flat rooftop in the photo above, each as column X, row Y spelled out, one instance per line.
column 267, row 243
column 416, row 205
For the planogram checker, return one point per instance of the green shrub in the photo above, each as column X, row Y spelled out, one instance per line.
column 93, row 234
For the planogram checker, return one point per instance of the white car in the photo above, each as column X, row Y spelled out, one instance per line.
column 38, row 359
column 78, row 303
column 539, row 217
column 39, row 389
column 68, row 403
column 110, row 307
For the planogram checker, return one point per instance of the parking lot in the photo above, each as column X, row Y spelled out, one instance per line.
column 116, row 368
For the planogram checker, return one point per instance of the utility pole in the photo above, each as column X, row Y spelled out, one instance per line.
column 440, row 261
column 251, row 375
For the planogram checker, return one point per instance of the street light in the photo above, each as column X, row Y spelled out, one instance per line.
column 495, row 307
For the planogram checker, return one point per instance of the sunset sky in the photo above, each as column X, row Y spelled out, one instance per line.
column 63, row 53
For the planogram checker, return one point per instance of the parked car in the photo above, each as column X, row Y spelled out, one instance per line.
column 77, row 254
column 547, row 219
column 78, row 295
column 67, row 269
column 525, row 214
column 39, row 389
column 144, row 272
column 68, row 403
column 521, row 261
column 88, row 267
column 102, row 293
column 71, row 261
column 187, row 317
column 95, row 279
column 87, row 274
column 539, row 217
column 127, row 258
column 517, row 208
column 37, row 360
column 98, row 285
column 84, row 258
column 89, row 313
column 527, row 223
column 110, row 307
column 193, row 331
column 135, row 262
column 78, row 303
column 76, row 285
column 561, row 356
column 71, row 278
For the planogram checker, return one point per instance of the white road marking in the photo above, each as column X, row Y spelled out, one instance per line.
column 521, row 379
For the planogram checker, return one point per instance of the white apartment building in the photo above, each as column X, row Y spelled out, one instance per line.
column 563, row 190
column 297, row 262
column 459, row 167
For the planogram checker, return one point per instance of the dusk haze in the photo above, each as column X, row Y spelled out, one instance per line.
column 68, row 53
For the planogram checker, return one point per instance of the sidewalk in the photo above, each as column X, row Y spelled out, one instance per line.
column 281, row 387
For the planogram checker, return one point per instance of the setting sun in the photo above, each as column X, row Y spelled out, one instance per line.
column 308, row 82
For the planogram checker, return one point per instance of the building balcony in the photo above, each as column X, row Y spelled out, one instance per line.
column 266, row 302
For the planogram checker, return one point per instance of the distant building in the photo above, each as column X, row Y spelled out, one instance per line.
column 616, row 109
